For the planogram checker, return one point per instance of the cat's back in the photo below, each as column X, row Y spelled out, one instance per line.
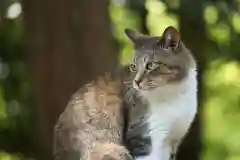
column 93, row 115
column 95, row 99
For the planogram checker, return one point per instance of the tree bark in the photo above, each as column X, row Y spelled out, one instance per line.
column 192, row 23
column 70, row 43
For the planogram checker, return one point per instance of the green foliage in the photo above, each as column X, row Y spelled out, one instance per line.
column 221, row 105
column 221, row 113
column 16, row 113
column 123, row 18
column 157, row 13
column 6, row 156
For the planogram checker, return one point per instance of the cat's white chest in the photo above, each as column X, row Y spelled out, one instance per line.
column 168, row 123
column 170, row 117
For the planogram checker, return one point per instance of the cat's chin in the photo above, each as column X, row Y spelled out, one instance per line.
column 160, row 92
column 149, row 89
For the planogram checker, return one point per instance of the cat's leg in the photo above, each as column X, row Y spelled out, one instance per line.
column 166, row 152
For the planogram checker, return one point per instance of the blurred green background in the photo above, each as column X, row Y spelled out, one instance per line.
column 50, row 48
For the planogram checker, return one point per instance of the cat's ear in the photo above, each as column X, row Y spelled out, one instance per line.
column 134, row 36
column 170, row 38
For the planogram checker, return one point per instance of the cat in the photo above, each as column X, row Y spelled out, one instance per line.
column 165, row 77
column 140, row 112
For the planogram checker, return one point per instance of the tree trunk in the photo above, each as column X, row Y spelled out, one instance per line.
column 69, row 43
column 192, row 23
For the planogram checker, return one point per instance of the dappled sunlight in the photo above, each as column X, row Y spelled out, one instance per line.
column 233, row 158
column 158, row 19
column 219, row 33
column 222, row 110
column 236, row 22
column 14, row 10
column 7, row 156
column 211, row 14
column 223, row 72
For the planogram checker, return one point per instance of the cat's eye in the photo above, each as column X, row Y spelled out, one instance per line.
column 133, row 68
column 151, row 66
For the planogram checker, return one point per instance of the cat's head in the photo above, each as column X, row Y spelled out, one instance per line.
column 159, row 60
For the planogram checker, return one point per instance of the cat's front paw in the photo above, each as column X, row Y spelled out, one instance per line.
column 139, row 146
column 120, row 156
column 109, row 151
